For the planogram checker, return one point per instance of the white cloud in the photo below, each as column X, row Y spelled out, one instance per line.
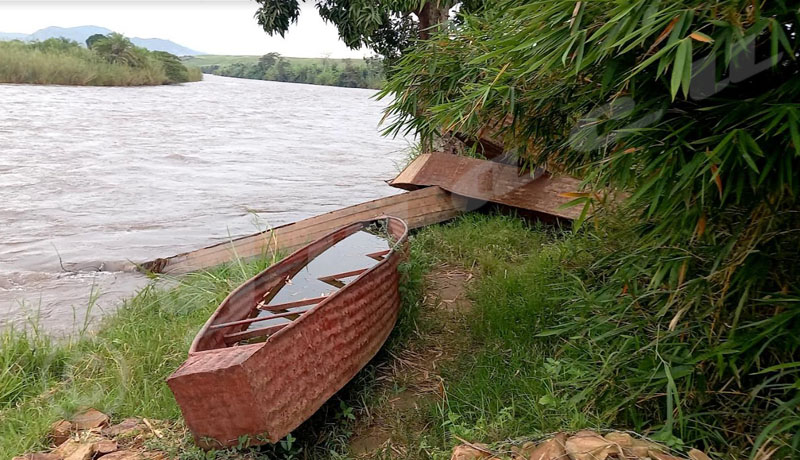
column 214, row 27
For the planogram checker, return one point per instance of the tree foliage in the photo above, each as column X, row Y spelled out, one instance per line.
column 118, row 49
column 387, row 27
column 690, row 108
column 94, row 39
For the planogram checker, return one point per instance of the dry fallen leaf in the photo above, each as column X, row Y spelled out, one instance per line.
column 701, row 37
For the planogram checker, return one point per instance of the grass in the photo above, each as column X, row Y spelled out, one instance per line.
column 120, row 369
column 542, row 349
column 551, row 345
column 504, row 382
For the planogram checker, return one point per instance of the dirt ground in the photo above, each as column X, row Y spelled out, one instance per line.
column 410, row 383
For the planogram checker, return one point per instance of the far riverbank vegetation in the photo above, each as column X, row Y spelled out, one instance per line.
column 348, row 73
column 110, row 60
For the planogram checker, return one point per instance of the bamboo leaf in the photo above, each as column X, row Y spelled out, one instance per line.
column 701, row 37
column 579, row 51
column 700, row 227
column 664, row 33
column 577, row 15
column 687, row 69
column 795, row 134
column 774, row 30
column 574, row 195
column 749, row 160
column 717, row 179
column 678, row 65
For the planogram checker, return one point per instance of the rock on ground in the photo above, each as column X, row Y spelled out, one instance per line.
column 583, row 445
column 88, row 436
column 90, row 420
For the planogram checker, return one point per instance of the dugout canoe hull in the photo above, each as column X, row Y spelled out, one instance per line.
column 265, row 390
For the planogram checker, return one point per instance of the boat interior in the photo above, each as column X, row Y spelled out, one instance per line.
column 284, row 292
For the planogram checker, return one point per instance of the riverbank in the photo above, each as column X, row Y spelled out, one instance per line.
column 62, row 62
column 347, row 73
column 501, row 337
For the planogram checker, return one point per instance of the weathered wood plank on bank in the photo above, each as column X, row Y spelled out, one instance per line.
column 492, row 182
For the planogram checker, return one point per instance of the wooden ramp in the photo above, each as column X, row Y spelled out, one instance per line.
column 492, row 182
column 419, row 208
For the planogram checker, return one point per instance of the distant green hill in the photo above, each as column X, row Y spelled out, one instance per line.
column 351, row 73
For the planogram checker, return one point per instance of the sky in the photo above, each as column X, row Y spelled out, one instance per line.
column 208, row 26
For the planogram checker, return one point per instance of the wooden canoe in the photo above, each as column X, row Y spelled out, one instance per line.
column 266, row 361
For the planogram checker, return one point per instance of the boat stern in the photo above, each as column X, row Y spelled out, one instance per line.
column 217, row 400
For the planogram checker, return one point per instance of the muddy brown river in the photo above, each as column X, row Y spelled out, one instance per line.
column 91, row 178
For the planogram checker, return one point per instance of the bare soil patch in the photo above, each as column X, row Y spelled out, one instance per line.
column 410, row 383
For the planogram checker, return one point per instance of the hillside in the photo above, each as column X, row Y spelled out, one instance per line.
column 81, row 33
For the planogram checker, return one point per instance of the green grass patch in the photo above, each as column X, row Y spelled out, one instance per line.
column 507, row 384
column 556, row 343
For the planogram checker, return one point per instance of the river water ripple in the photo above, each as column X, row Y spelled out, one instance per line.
column 93, row 177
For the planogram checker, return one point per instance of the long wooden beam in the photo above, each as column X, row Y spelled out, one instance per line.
column 419, row 208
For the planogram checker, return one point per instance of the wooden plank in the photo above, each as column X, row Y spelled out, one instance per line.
column 254, row 320
column 494, row 182
column 419, row 208
column 281, row 315
column 339, row 276
column 295, row 304
column 244, row 335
